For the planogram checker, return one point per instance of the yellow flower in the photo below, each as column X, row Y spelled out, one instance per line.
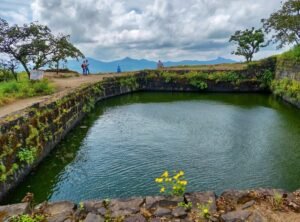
column 162, row 190
column 165, row 174
column 205, row 211
column 159, row 180
column 181, row 173
column 176, row 177
column 183, row 182
column 168, row 179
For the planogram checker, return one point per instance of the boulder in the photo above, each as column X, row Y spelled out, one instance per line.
column 154, row 220
column 235, row 197
column 91, row 217
column 13, row 210
column 93, row 205
column 236, row 216
column 125, row 207
column 170, row 202
column 152, row 202
column 265, row 193
column 102, row 211
column 248, row 204
column 135, row 218
column 292, row 200
column 162, row 212
column 58, row 211
column 257, row 217
column 202, row 198
column 179, row 212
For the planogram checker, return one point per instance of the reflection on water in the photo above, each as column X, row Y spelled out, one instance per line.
column 221, row 141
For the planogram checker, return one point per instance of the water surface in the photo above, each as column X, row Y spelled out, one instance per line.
column 221, row 141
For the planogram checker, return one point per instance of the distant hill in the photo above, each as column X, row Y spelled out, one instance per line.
column 129, row 64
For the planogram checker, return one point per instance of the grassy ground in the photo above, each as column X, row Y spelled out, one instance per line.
column 23, row 88
column 293, row 54
column 219, row 67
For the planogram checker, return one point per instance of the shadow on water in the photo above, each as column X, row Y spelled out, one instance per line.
column 221, row 141
column 44, row 178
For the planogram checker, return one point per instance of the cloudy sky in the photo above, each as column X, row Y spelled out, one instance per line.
column 151, row 29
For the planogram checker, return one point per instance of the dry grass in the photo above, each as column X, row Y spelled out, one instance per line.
column 219, row 67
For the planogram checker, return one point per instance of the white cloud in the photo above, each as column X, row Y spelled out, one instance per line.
column 15, row 11
column 153, row 29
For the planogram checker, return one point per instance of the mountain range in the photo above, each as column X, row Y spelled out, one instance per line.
column 129, row 64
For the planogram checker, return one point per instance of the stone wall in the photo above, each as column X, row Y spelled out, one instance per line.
column 261, row 205
column 35, row 131
column 27, row 137
column 288, row 69
column 287, row 81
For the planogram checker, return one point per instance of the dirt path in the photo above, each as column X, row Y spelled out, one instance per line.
column 62, row 84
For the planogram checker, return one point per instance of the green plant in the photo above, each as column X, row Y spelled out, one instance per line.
column 204, row 209
column 199, row 84
column 129, row 81
column 89, row 105
column 292, row 55
column 27, row 155
column 172, row 185
column 287, row 88
column 2, row 168
column 187, row 206
column 169, row 76
column 81, row 206
column 24, row 88
column 277, row 200
column 267, row 77
column 28, row 218
column 3, row 177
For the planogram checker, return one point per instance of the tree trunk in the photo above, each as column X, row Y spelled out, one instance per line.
column 57, row 67
column 26, row 68
column 14, row 74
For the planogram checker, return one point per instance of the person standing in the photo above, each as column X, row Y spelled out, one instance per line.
column 160, row 65
column 87, row 70
column 83, row 66
column 119, row 69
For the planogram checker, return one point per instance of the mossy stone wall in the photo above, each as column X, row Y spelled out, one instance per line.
column 27, row 137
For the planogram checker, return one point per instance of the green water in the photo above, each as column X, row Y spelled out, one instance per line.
column 221, row 141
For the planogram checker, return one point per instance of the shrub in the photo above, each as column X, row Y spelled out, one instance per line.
column 267, row 77
column 172, row 185
column 27, row 155
column 89, row 105
column 204, row 210
column 169, row 76
column 188, row 206
column 228, row 76
column 287, row 87
column 197, row 75
column 6, row 75
column 129, row 81
column 27, row 218
column 24, row 88
column 199, row 84
column 277, row 201
column 293, row 54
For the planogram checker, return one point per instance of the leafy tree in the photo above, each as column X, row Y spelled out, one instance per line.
column 34, row 45
column 285, row 24
column 63, row 49
column 28, row 44
column 248, row 42
column 8, row 68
